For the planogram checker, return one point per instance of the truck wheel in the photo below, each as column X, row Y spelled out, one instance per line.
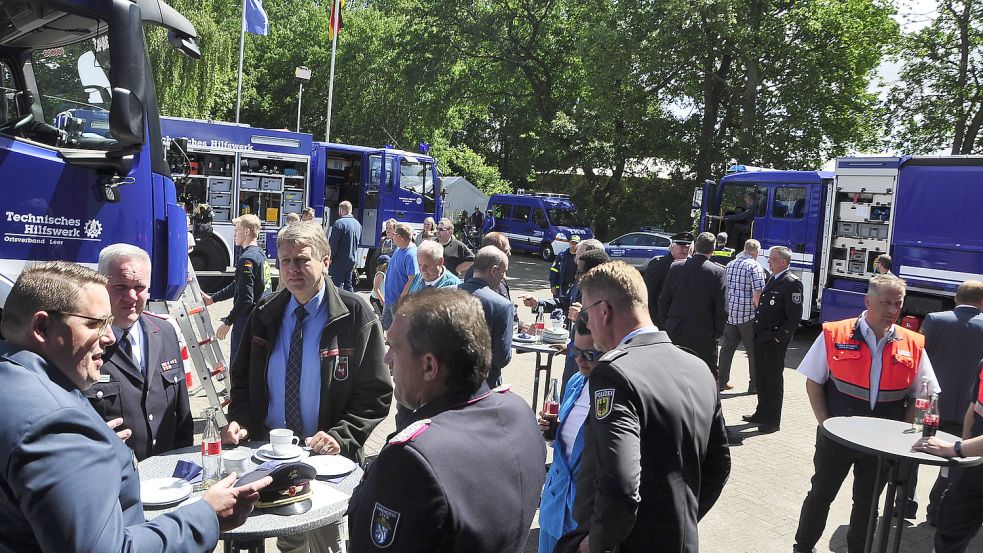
column 546, row 252
column 209, row 255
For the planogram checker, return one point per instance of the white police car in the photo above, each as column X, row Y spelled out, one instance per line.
column 638, row 248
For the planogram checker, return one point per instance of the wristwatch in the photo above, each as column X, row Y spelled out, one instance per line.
column 958, row 446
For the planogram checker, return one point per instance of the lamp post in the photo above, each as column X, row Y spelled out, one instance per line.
column 303, row 75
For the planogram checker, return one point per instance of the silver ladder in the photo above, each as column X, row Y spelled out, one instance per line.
column 204, row 350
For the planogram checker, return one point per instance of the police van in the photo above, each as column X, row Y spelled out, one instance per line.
column 638, row 248
column 537, row 222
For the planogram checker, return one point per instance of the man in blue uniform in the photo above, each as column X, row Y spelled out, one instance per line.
column 346, row 233
column 464, row 473
column 564, row 268
column 252, row 282
column 142, row 379
column 69, row 483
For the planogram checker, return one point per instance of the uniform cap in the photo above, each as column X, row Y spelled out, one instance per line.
column 575, row 238
column 684, row 238
column 289, row 493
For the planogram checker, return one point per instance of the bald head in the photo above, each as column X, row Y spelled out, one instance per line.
column 490, row 265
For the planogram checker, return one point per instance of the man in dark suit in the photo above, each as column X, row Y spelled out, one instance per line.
column 465, row 471
column 501, row 242
column 779, row 313
column 693, row 303
column 954, row 341
column 658, row 268
column 654, row 425
column 490, row 266
column 313, row 363
column 142, row 379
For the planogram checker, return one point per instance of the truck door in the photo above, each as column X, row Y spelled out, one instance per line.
column 371, row 201
column 786, row 220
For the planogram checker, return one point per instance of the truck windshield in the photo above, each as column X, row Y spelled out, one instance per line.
column 416, row 176
column 566, row 218
column 76, row 94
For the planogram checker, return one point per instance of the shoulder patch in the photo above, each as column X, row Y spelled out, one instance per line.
column 603, row 402
column 612, row 355
column 504, row 388
column 410, row 433
column 248, row 264
column 384, row 524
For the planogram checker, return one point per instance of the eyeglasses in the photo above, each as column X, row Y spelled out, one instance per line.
column 441, row 229
column 583, row 311
column 589, row 355
column 104, row 322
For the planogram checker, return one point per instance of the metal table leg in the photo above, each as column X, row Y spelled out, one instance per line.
column 906, row 469
column 892, row 491
column 872, row 518
column 250, row 546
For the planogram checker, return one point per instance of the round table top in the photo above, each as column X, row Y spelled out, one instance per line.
column 531, row 347
column 330, row 499
column 888, row 438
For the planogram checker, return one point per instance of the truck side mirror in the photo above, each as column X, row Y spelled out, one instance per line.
column 126, row 118
column 184, row 43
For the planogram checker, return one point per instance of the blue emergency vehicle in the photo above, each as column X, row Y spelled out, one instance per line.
column 83, row 162
column 638, row 248
column 921, row 210
column 538, row 222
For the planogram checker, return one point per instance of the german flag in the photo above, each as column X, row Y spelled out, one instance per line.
column 334, row 26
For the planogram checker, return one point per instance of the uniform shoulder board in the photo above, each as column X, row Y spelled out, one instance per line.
column 410, row 433
column 792, row 276
column 612, row 355
column 161, row 316
column 504, row 388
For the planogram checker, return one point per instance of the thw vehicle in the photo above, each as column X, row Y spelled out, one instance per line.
column 920, row 210
column 538, row 222
column 81, row 160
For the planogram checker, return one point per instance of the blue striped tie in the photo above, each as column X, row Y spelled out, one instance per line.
column 295, row 356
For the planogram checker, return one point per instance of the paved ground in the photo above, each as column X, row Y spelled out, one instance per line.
column 759, row 508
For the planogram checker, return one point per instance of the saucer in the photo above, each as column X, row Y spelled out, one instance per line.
column 524, row 338
column 266, row 453
column 164, row 491
column 330, row 465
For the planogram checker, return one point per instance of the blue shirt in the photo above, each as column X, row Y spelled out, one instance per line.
column 346, row 233
column 446, row 280
column 402, row 266
column 310, row 373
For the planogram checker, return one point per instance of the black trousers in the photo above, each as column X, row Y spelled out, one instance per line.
column 769, row 366
column 961, row 511
column 699, row 340
column 833, row 462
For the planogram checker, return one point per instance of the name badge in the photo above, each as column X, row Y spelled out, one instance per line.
column 103, row 378
column 849, row 347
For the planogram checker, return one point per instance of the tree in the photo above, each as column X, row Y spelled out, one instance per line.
column 938, row 102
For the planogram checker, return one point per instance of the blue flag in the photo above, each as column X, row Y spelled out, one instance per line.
column 256, row 21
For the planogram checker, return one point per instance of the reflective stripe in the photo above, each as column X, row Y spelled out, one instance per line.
column 891, row 395
column 883, row 396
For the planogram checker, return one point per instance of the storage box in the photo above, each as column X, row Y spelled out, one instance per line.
column 271, row 184
column 293, row 206
column 223, row 199
column 221, row 214
column 249, row 182
column 219, row 184
column 847, row 229
column 293, row 196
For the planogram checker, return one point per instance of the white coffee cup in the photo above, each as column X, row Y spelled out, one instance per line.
column 282, row 440
column 235, row 460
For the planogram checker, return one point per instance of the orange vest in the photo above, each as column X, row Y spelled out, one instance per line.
column 979, row 398
column 849, row 360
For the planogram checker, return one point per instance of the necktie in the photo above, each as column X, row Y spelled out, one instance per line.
column 125, row 345
column 294, row 360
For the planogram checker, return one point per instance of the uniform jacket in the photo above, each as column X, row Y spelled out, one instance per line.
column 469, row 482
column 252, row 282
column 560, row 490
column 155, row 408
column 849, row 360
column 499, row 315
column 562, row 272
column 656, row 428
column 954, row 341
column 355, row 392
column 655, row 278
column 779, row 310
column 695, row 292
column 503, row 287
column 346, row 233
column 68, row 483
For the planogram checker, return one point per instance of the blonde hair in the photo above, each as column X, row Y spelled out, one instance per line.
column 305, row 233
column 249, row 222
column 618, row 283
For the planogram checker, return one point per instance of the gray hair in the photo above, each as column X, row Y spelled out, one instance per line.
column 705, row 243
column 305, row 233
column 488, row 258
column 887, row 281
column 430, row 249
column 752, row 246
column 783, row 252
column 118, row 253
column 590, row 244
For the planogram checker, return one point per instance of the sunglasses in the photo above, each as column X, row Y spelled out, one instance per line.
column 442, row 228
column 104, row 322
column 589, row 355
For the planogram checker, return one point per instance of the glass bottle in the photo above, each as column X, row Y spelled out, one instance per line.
column 930, row 423
column 211, row 449
column 551, row 409
column 540, row 325
column 922, row 403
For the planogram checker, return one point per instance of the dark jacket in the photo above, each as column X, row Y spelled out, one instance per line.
column 503, row 287
column 468, row 480
column 779, row 312
column 954, row 342
column 655, row 278
column 499, row 315
column 656, row 427
column 354, row 399
column 155, row 408
column 694, row 292
column 346, row 233
column 252, row 282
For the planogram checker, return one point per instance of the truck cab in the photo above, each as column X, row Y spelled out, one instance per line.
column 538, row 222
column 83, row 165
column 788, row 210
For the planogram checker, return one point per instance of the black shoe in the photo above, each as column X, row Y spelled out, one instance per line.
column 795, row 549
column 751, row 419
column 768, row 428
column 733, row 438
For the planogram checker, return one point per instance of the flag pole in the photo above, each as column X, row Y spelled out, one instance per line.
column 242, row 49
column 334, row 48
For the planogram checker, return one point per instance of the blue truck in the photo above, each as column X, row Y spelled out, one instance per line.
column 83, row 162
column 921, row 210
column 538, row 222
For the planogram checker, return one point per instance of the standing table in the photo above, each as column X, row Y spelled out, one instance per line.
column 890, row 441
column 330, row 501
column 540, row 350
